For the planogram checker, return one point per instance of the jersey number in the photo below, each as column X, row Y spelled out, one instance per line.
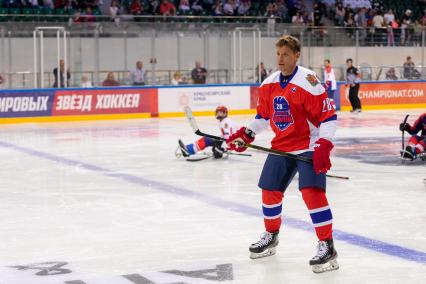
column 327, row 105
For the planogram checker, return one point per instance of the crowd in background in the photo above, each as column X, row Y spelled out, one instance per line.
column 347, row 13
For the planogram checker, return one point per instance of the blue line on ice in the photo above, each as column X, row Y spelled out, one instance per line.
column 354, row 239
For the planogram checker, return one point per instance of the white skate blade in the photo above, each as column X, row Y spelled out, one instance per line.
column 266, row 253
column 328, row 266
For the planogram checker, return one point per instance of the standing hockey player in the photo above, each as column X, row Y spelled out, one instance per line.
column 417, row 143
column 295, row 104
column 226, row 126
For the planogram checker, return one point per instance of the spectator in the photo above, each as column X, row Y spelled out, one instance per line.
column 177, row 79
column 410, row 72
column 48, row 4
column 88, row 16
column 136, row 8
column 423, row 19
column 229, row 8
column 390, row 32
column 32, row 3
column 391, row 74
column 244, row 7
column 378, row 24
column 184, row 6
column 329, row 79
column 61, row 75
column 153, row 7
column 85, row 83
column 263, row 72
column 138, row 76
column 167, row 8
column 389, row 17
column 2, row 80
column 199, row 74
column 297, row 19
column 406, row 27
column 352, row 79
column 340, row 14
column 361, row 23
column 114, row 11
column 197, row 6
column 217, row 8
column 110, row 80
column 282, row 10
column 271, row 11
column 317, row 15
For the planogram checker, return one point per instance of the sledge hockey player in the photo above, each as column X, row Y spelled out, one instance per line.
column 226, row 126
column 417, row 143
column 294, row 103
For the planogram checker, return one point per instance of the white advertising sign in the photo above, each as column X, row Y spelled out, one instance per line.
column 203, row 98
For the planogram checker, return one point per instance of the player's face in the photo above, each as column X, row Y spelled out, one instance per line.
column 220, row 115
column 286, row 59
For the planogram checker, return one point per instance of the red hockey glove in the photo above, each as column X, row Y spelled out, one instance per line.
column 321, row 157
column 238, row 140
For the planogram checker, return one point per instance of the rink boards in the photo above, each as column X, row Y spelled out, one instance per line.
column 39, row 105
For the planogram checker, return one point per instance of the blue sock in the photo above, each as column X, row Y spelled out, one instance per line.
column 190, row 148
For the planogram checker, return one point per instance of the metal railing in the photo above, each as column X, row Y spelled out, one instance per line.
column 24, row 80
column 177, row 32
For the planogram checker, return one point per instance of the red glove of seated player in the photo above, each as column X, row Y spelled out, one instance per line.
column 238, row 140
column 321, row 157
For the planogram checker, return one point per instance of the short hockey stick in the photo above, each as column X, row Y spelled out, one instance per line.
column 197, row 131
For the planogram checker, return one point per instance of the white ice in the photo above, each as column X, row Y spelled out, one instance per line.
column 110, row 199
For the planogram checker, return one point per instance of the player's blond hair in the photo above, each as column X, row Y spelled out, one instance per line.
column 289, row 41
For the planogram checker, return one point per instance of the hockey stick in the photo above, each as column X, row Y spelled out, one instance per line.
column 403, row 142
column 197, row 159
column 402, row 152
column 239, row 154
column 197, row 131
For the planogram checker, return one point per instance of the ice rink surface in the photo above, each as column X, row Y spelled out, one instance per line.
column 108, row 203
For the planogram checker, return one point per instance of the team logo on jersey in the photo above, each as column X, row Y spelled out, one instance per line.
column 282, row 116
column 312, row 80
column 293, row 90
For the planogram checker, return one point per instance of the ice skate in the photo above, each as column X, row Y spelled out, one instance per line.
column 183, row 149
column 326, row 257
column 407, row 154
column 266, row 246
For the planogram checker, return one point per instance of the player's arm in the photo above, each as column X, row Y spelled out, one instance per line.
column 417, row 126
column 321, row 113
column 246, row 135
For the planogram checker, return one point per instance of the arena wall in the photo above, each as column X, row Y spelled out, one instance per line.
column 43, row 105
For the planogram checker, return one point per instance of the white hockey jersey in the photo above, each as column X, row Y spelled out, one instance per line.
column 227, row 127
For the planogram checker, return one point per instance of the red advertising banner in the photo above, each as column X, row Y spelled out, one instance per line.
column 108, row 101
column 254, row 95
column 383, row 95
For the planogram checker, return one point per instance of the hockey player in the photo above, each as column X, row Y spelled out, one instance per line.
column 416, row 144
column 226, row 126
column 295, row 104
